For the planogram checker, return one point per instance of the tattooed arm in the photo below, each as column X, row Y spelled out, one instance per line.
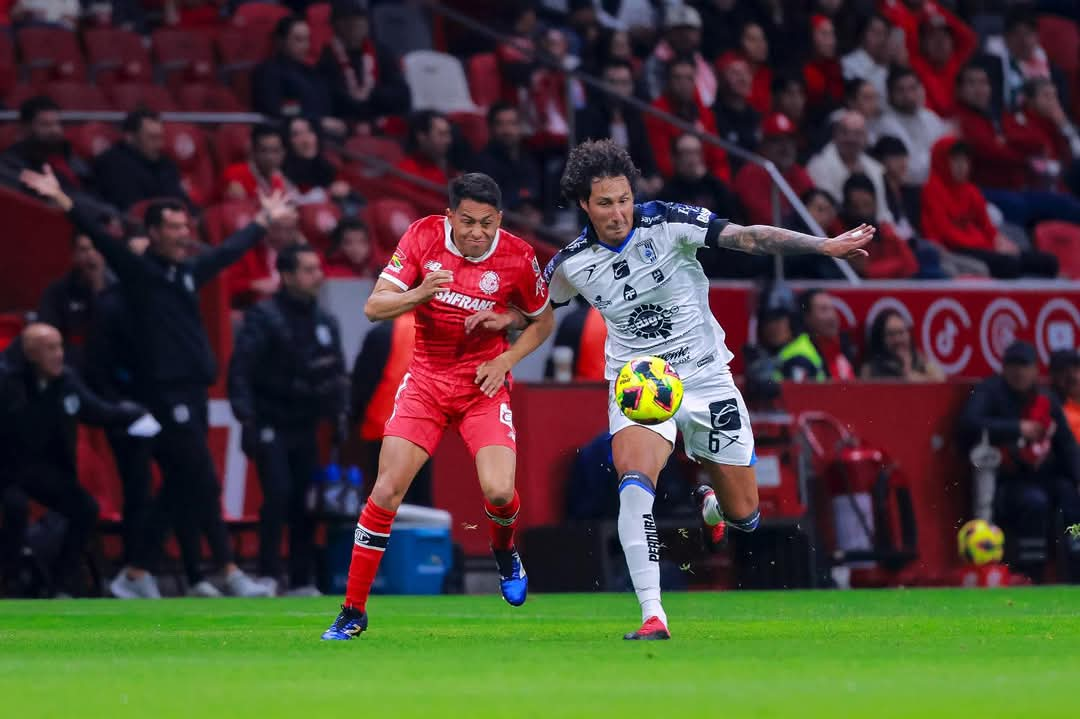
column 768, row 240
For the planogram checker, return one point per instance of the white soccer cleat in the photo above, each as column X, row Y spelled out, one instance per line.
column 124, row 587
column 238, row 584
column 205, row 590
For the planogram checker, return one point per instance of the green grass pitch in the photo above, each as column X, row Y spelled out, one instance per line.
column 923, row 653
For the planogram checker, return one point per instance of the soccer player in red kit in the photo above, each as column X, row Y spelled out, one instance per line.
column 467, row 282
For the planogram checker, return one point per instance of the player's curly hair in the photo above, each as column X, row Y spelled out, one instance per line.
column 590, row 161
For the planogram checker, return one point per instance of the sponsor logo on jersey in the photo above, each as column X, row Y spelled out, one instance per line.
column 658, row 275
column 535, row 266
column 725, row 415
column 600, row 303
column 489, row 283
column 676, row 356
column 590, row 269
column 629, row 293
column 621, row 269
column 473, row 304
column 395, row 262
column 433, row 265
column 539, row 286
column 647, row 250
column 707, row 359
column 651, row 321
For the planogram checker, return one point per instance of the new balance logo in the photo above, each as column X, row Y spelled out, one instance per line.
column 652, row 538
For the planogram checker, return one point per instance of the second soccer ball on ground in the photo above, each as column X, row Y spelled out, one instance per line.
column 648, row 390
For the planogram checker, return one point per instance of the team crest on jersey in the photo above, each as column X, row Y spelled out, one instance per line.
column 651, row 321
column 489, row 283
column 432, row 265
column 647, row 250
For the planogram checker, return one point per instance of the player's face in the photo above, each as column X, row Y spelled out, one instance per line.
column 611, row 208
column 474, row 225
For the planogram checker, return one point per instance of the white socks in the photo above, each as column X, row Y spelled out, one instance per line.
column 641, row 541
column 710, row 510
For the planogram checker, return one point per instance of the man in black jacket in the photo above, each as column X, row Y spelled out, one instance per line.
column 508, row 162
column 1040, row 470
column 41, row 404
column 286, row 375
column 136, row 168
column 176, row 365
column 43, row 142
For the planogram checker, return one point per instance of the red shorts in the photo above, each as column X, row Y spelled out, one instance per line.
column 424, row 408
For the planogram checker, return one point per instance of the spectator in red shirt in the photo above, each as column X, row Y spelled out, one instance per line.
column 430, row 137
column 823, row 74
column 350, row 251
column 755, row 48
column 937, row 53
column 954, row 213
column 1006, row 154
column 680, row 99
column 245, row 180
column 752, row 183
column 681, row 41
column 890, row 256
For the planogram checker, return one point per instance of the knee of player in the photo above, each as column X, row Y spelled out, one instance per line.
column 500, row 497
column 387, row 493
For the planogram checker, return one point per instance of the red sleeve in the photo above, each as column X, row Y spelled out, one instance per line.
column 986, row 143
column 529, row 293
column 659, row 133
column 1027, row 139
column 403, row 268
column 965, row 41
column 238, row 173
column 240, row 276
column 752, row 189
column 717, row 157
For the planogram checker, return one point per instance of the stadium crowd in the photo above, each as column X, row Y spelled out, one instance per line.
column 950, row 127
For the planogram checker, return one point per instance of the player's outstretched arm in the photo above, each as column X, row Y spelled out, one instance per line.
column 490, row 375
column 387, row 300
column 768, row 240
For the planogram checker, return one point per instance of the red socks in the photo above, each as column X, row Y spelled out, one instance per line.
column 503, row 522
column 369, row 543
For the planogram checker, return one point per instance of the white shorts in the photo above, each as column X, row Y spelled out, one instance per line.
column 713, row 419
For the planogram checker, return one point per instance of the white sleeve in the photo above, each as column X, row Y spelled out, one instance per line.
column 560, row 291
column 692, row 226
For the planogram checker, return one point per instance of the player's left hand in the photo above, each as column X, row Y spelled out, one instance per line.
column 488, row 320
column 849, row 245
column 491, row 375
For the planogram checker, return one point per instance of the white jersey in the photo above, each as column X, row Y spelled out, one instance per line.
column 651, row 290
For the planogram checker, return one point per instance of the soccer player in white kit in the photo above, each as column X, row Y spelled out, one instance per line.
column 637, row 265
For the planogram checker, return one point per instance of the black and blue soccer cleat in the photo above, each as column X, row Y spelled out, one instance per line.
column 512, row 578
column 350, row 623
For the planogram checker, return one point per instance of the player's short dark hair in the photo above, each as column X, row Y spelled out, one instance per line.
column 475, row 186
column 155, row 212
column 592, row 160
column 31, row 108
column 134, row 120
column 896, row 74
column 347, row 224
column 495, row 110
column 858, row 182
column 888, row 146
column 288, row 259
column 258, row 132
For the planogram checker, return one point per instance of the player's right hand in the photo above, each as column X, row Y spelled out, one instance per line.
column 435, row 282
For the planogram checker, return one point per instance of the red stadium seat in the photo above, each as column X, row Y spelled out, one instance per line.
column 224, row 219
column 317, row 221
column 8, row 76
column 1061, row 40
column 473, row 126
column 131, row 96
column 232, row 143
column 368, row 179
column 388, row 219
column 318, row 19
column 183, row 56
column 78, row 96
column 259, row 16
column 208, row 98
column 50, row 54
column 240, row 50
column 483, row 71
column 9, row 134
column 11, row 324
column 1061, row 239
column 90, row 139
column 187, row 146
column 117, row 55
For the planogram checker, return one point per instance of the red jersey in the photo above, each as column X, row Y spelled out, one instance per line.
column 508, row 274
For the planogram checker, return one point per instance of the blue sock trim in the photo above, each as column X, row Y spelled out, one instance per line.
column 636, row 479
column 747, row 524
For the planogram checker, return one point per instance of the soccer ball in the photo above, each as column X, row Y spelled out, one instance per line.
column 648, row 390
column 980, row 542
